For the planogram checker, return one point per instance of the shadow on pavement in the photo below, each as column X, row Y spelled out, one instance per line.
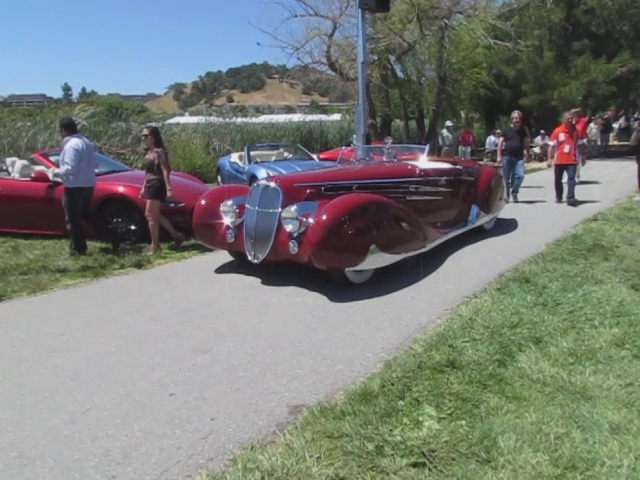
column 385, row 281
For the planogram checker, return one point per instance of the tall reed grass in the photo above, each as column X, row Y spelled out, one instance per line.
column 193, row 148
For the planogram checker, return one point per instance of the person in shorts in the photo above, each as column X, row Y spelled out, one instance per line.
column 157, row 187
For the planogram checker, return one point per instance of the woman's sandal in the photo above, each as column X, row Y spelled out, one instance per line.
column 179, row 240
column 152, row 251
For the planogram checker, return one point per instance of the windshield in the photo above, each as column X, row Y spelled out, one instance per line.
column 274, row 152
column 105, row 164
column 388, row 152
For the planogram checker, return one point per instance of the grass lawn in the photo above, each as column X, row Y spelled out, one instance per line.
column 536, row 377
column 31, row 265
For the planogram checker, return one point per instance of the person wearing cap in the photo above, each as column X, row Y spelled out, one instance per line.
column 541, row 146
column 491, row 146
column 512, row 149
column 446, row 140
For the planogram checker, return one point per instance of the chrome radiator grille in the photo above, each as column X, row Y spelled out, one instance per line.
column 261, row 220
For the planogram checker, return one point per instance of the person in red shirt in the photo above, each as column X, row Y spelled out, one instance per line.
column 563, row 155
column 581, row 122
column 466, row 142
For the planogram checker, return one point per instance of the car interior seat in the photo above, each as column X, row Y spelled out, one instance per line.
column 22, row 170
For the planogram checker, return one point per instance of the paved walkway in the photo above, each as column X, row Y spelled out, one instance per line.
column 153, row 374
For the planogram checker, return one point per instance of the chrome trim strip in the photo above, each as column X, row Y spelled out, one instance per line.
column 378, row 259
column 376, row 180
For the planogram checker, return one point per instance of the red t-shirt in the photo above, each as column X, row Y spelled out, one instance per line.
column 566, row 142
column 465, row 139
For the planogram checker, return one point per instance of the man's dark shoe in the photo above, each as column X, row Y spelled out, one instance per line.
column 515, row 197
column 558, row 200
column 572, row 202
column 73, row 253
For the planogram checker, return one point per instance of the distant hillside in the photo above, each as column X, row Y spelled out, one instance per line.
column 274, row 93
column 257, row 84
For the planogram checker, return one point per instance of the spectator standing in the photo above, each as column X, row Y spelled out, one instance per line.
column 466, row 142
column 563, row 155
column 593, row 137
column 445, row 139
column 513, row 147
column 78, row 164
column 605, row 132
column 491, row 146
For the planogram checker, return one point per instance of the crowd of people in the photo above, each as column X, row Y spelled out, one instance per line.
column 575, row 140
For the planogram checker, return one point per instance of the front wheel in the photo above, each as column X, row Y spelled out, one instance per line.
column 120, row 223
column 356, row 277
column 490, row 224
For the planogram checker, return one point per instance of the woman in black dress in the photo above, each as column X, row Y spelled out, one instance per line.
column 157, row 187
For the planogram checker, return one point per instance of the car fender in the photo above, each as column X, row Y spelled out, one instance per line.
column 206, row 220
column 490, row 190
column 344, row 229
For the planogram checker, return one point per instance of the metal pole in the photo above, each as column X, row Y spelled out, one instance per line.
column 361, row 114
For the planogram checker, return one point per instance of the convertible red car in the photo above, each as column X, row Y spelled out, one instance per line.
column 32, row 201
column 377, row 206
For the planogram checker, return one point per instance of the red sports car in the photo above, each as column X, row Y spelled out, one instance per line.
column 377, row 206
column 31, row 202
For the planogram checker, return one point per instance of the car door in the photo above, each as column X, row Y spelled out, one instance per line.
column 31, row 206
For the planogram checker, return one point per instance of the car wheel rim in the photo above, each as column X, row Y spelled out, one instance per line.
column 489, row 225
column 358, row 276
column 123, row 226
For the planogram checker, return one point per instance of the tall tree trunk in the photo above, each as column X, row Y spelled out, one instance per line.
column 441, row 85
column 403, row 103
column 420, row 124
column 386, row 120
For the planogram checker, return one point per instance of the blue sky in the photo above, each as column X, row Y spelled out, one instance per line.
column 127, row 46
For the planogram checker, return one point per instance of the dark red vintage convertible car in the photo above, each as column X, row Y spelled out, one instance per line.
column 374, row 208
column 30, row 201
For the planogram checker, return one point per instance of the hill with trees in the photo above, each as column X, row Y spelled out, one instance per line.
column 257, row 83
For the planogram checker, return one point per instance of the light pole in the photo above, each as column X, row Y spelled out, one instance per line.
column 364, row 6
column 361, row 114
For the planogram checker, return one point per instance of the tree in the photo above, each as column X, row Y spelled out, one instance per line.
column 67, row 93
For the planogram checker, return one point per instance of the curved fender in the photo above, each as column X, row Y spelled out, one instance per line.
column 344, row 229
column 206, row 221
column 490, row 189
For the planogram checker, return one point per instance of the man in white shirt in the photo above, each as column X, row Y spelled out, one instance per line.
column 491, row 147
column 541, row 146
column 445, row 139
column 78, row 164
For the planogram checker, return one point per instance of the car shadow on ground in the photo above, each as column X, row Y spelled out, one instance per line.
column 530, row 202
column 385, row 281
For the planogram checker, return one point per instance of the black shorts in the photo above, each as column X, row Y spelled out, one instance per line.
column 155, row 189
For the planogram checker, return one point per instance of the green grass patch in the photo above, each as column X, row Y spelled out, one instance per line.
column 33, row 265
column 536, row 377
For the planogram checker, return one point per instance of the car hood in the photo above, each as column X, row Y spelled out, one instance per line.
column 184, row 189
column 282, row 167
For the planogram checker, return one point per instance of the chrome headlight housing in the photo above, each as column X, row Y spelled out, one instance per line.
column 229, row 212
column 291, row 220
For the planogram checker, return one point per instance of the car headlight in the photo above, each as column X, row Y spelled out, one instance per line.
column 291, row 220
column 228, row 212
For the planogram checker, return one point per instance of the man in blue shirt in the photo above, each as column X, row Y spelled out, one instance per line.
column 77, row 170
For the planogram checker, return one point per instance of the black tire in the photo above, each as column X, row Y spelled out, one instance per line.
column 343, row 277
column 238, row 256
column 119, row 222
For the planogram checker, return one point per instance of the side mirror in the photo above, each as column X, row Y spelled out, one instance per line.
column 40, row 176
